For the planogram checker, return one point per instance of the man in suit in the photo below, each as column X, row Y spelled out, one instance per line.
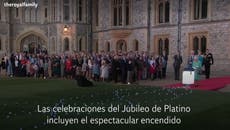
column 208, row 61
column 165, row 62
column 177, row 64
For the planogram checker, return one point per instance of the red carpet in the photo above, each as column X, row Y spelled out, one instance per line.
column 208, row 84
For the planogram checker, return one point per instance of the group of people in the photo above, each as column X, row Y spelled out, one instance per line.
column 198, row 62
column 125, row 67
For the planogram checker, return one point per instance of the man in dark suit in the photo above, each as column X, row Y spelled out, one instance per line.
column 123, row 66
column 165, row 62
column 208, row 61
column 176, row 64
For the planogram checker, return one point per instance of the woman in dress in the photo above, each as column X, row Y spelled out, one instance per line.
column 104, row 71
column 196, row 65
column 152, row 68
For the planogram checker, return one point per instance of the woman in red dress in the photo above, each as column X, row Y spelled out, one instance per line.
column 68, row 67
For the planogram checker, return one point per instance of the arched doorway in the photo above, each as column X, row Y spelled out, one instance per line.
column 121, row 45
column 33, row 44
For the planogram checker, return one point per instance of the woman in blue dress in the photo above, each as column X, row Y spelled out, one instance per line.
column 196, row 65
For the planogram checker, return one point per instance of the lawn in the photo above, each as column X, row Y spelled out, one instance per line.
column 19, row 99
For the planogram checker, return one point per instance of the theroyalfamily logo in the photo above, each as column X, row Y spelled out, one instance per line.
column 21, row 4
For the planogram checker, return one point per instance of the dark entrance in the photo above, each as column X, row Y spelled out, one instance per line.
column 33, row 44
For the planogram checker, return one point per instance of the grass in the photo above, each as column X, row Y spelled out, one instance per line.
column 19, row 99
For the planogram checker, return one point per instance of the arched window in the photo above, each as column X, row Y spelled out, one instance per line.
column 166, row 46
column 80, row 45
column 66, row 44
column 195, row 44
column 66, row 9
column 198, row 42
column 160, row 46
column 203, row 44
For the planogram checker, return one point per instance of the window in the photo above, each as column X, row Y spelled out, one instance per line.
column 66, row 44
column 127, row 12
column 195, row 44
column 46, row 12
column 161, row 44
column 198, row 42
column 108, row 47
column 161, row 16
column 66, row 10
column 80, row 10
column 162, row 11
column 16, row 14
column 203, row 44
column 80, row 45
column 121, row 12
column 167, row 10
column 136, row 45
column 166, row 46
column 53, row 8
column 96, row 47
column 199, row 9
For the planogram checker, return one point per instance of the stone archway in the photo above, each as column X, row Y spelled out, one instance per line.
column 33, row 44
column 122, row 46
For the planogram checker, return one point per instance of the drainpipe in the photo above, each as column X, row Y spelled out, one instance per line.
column 148, row 26
column 10, row 45
column 90, row 44
column 179, row 26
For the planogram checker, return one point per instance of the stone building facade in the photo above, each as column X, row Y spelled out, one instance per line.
column 55, row 25
column 171, row 25
column 110, row 25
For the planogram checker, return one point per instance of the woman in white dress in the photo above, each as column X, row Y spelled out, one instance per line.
column 104, row 71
